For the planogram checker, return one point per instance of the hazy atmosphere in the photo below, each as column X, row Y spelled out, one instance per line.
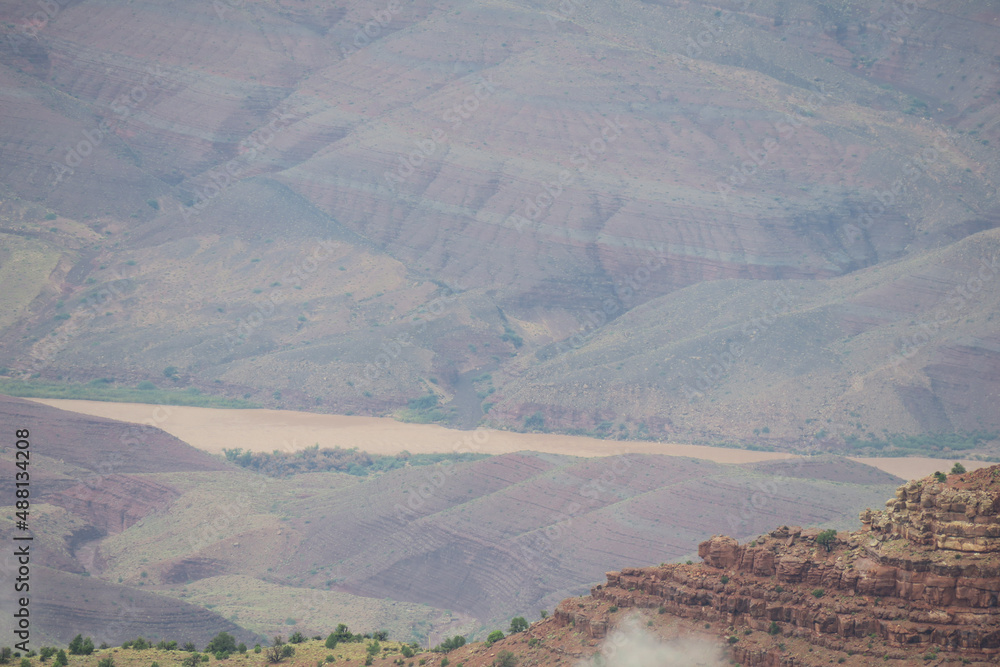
column 499, row 334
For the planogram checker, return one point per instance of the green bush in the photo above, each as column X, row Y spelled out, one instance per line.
column 449, row 644
column 775, row 629
column 535, row 422
column 106, row 662
column 518, row 624
column 827, row 539
column 494, row 637
column 221, row 643
column 957, row 469
column 505, row 659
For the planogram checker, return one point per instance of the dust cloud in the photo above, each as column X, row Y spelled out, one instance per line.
column 630, row 645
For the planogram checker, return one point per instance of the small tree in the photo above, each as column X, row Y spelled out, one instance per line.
column 518, row 624
column 296, row 638
column 827, row 539
column 221, row 643
column 278, row 650
column 76, row 645
column 957, row 469
column 61, row 659
column 940, row 476
column 106, row 662
column 543, row 613
column 331, row 640
column 193, row 660
column 494, row 637
column 88, row 646
column 505, row 659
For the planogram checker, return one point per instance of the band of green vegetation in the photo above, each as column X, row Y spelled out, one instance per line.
column 351, row 461
column 105, row 390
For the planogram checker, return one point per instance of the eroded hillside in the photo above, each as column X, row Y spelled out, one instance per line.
column 350, row 206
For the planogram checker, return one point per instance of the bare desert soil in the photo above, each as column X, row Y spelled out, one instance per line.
column 214, row 429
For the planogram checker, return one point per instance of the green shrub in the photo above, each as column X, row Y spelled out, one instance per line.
column 957, row 469
column 221, row 643
column 818, row 593
column 535, row 422
column 494, row 637
column 518, row 624
column 505, row 659
column 827, row 539
column 775, row 629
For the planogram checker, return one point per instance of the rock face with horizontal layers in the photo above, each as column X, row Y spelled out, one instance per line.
column 919, row 578
column 940, row 515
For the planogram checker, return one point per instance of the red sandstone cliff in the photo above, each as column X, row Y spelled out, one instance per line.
column 919, row 580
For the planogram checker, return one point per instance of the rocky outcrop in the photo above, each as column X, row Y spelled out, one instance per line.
column 940, row 515
column 919, row 578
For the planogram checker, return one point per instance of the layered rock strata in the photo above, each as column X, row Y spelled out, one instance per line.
column 918, row 578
